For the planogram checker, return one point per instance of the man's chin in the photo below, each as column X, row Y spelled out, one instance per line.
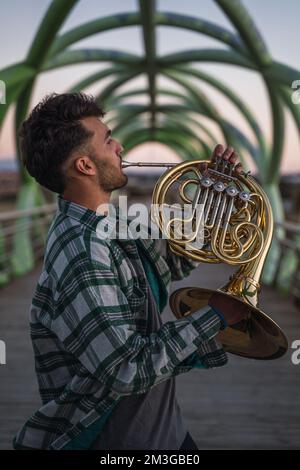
column 122, row 183
column 111, row 182
column 125, row 180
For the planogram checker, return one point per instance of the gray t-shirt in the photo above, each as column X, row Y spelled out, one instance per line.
column 149, row 421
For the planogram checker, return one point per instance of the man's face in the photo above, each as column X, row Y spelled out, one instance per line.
column 106, row 155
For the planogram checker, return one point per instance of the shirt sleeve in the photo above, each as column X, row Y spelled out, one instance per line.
column 94, row 322
column 180, row 266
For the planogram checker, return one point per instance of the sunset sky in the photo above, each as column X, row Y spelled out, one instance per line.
column 277, row 21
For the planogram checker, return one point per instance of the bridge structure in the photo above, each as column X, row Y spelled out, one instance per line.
column 178, row 125
column 247, row 404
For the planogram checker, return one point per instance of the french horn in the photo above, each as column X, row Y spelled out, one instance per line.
column 236, row 228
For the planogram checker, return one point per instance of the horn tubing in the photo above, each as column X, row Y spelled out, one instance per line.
column 151, row 164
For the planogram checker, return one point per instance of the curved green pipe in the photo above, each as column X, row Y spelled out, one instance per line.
column 247, row 29
column 111, row 102
column 129, row 111
column 77, row 51
column 96, row 77
column 206, row 55
column 137, row 127
column 176, row 139
column 114, row 85
column 144, row 137
column 176, row 148
column 257, row 156
column 276, row 71
column 52, row 21
column 181, row 152
column 56, row 13
column 190, row 148
column 200, row 25
column 200, row 22
column 237, row 138
column 16, row 74
column 78, row 56
column 90, row 28
column 285, row 94
column 275, row 156
column 134, row 19
column 264, row 62
column 207, row 148
column 15, row 78
column 240, row 105
column 158, row 136
column 239, row 17
column 147, row 10
column 200, row 101
column 281, row 73
column 248, row 48
column 170, row 121
column 174, row 118
column 273, row 159
column 121, row 129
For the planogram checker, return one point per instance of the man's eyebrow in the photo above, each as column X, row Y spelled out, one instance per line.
column 108, row 133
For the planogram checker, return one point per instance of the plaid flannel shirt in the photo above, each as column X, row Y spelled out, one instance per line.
column 88, row 320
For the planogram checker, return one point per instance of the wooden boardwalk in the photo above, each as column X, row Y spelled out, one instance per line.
column 245, row 405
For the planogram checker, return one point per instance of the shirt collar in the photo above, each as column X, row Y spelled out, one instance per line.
column 91, row 218
column 76, row 211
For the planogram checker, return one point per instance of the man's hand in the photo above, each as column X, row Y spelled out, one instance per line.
column 232, row 311
column 229, row 155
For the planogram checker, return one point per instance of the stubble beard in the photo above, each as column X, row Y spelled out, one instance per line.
column 109, row 178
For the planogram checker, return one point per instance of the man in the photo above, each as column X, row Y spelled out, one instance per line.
column 105, row 362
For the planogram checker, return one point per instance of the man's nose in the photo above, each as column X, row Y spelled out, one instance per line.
column 120, row 148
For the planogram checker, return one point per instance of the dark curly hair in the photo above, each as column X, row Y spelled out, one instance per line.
column 52, row 132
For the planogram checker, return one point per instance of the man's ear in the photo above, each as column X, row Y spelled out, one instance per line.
column 84, row 165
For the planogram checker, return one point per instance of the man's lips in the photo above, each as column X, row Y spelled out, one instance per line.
column 119, row 156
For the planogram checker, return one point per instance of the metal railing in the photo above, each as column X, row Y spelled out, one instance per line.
column 22, row 239
column 289, row 259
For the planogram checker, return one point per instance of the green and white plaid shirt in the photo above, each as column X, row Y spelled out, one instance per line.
column 88, row 323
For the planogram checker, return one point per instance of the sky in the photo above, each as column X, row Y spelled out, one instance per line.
column 277, row 21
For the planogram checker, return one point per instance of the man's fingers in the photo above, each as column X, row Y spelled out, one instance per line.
column 228, row 153
column 234, row 158
column 238, row 168
column 218, row 152
column 203, row 167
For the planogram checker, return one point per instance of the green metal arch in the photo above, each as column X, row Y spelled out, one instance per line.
column 245, row 48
